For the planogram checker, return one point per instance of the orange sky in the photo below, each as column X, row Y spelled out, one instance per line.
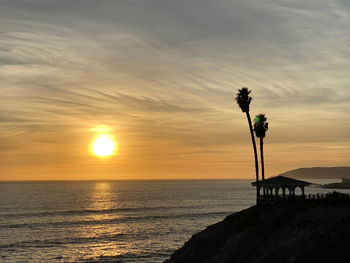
column 161, row 78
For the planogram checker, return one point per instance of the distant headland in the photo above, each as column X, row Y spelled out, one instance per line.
column 319, row 173
column 345, row 184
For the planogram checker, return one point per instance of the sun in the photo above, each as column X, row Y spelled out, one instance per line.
column 103, row 146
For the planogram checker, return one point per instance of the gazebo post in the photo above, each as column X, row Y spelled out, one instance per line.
column 271, row 192
column 283, row 192
column 290, row 190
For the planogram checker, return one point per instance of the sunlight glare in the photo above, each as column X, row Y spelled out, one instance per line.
column 103, row 146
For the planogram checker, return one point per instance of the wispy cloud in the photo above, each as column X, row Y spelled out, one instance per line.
column 163, row 74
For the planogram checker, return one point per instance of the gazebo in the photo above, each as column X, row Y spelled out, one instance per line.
column 271, row 186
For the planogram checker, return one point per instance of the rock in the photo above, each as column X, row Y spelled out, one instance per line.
column 303, row 231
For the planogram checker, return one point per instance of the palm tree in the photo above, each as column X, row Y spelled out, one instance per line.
column 260, row 128
column 243, row 100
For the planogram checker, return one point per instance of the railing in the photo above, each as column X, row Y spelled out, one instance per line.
column 334, row 196
column 329, row 196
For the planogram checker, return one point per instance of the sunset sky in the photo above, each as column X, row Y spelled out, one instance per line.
column 160, row 77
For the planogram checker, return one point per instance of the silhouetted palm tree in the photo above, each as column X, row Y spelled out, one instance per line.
column 243, row 100
column 260, row 128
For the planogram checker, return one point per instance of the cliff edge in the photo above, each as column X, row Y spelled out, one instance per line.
column 304, row 231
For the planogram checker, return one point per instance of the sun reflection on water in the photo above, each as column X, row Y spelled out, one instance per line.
column 105, row 236
column 101, row 196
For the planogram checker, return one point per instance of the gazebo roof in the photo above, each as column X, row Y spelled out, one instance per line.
column 281, row 181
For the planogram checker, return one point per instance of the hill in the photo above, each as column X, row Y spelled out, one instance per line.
column 309, row 231
column 319, row 173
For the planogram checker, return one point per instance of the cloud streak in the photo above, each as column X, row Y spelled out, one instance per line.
column 163, row 76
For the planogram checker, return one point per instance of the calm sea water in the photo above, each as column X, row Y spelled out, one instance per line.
column 111, row 221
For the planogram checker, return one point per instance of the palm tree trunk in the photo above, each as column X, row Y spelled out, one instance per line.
column 256, row 159
column 262, row 160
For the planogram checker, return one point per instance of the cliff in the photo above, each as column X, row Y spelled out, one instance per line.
column 319, row 173
column 308, row 231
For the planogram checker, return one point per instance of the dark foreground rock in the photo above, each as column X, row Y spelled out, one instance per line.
column 308, row 231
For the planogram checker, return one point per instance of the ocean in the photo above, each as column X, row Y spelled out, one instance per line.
column 112, row 221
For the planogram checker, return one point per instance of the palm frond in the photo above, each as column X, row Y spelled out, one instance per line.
column 243, row 99
column 260, row 125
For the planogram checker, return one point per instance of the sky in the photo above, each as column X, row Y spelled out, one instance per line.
column 161, row 76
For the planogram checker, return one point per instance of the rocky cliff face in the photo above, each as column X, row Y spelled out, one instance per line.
column 309, row 231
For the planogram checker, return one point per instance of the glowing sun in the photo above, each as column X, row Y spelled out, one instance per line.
column 103, row 146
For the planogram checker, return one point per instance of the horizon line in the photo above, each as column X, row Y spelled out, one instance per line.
column 94, row 180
